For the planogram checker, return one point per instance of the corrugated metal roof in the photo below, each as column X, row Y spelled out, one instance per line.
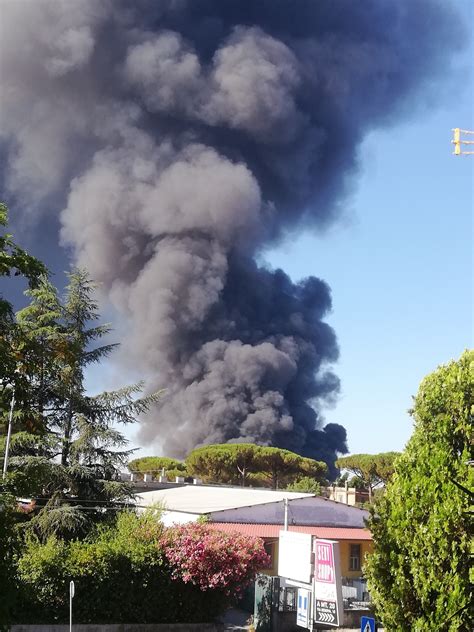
column 310, row 511
column 203, row 499
column 273, row 530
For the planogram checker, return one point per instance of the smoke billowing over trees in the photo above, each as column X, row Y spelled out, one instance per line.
column 176, row 141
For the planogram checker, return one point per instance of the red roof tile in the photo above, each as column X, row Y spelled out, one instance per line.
column 273, row 530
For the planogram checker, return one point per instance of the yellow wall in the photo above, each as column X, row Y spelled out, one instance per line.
column 344, row 549
column 345, row 552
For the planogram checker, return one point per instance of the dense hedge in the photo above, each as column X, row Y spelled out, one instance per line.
column 420, row 574
column 8, row 544
column 122, row 575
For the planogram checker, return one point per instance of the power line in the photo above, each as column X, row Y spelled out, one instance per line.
column 84, row 500
column 119, row 505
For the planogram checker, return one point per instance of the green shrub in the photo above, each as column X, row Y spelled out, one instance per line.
column 8, row 544
column 419, row 572
column 121, row 576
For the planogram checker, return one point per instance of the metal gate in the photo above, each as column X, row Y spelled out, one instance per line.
column 267, row 592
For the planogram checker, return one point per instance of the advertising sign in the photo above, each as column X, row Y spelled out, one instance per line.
column 302, row 611
column 325, row 571
column 327, row 583
column 294, row 556
column 326, row 612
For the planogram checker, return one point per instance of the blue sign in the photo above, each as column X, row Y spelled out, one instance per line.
column 367, row 624
column 302, row 612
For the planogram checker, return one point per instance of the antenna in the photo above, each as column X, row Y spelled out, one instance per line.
column 459, row 141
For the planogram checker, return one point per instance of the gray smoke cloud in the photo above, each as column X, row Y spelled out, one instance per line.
column 176, row 140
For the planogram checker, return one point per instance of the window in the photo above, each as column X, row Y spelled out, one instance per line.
column 269, row 550
column 354, row 558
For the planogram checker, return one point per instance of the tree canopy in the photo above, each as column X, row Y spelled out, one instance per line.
column 223, row 463
column 66, row 449
column 306, row 484
column 15, row 261
column 156, row 464
column 244, row 463
column 372, row 470
column 418, row 574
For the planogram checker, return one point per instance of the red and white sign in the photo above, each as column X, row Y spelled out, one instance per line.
column 327, row 583
column 325, row 571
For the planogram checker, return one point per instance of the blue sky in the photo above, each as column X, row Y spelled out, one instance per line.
column 399, row 265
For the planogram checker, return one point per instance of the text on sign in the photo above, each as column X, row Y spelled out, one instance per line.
column 324, row 563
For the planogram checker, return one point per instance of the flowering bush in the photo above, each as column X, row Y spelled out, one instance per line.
column 211, row 559
column 135, row 571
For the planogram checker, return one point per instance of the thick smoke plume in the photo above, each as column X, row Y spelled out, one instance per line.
column 181, row 138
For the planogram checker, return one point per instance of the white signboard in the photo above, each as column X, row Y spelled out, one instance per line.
column 327, row 583
column 294, row 556
column 303, row 606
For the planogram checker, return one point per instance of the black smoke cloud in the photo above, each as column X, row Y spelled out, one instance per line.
column 182, row 138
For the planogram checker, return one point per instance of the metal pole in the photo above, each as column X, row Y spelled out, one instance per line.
column 9, row 434
column 71, row 597
column 285, row 502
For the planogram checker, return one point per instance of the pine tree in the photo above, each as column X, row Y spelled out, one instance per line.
column 38, row 348
column 14, row 261
column 71, row 460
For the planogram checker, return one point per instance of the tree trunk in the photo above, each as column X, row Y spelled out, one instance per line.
column 67, row 432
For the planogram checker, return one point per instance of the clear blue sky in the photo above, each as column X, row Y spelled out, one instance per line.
column 399, row 266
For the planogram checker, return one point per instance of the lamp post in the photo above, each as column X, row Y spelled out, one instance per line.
column 9, row 432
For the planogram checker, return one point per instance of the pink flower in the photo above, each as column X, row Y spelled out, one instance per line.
column 211, row 559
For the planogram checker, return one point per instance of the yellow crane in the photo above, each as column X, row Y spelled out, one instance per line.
column 460, row 141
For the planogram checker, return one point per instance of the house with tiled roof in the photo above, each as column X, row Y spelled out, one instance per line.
column 261, row 512
column 316, row 515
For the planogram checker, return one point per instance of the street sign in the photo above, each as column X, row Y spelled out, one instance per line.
column 327, row 583
column 367, row 624
column 326, row 612
column 302, row 611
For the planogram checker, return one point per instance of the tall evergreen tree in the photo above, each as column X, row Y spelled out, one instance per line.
column 419, row 574
column 70, row 460
column 14, row 261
